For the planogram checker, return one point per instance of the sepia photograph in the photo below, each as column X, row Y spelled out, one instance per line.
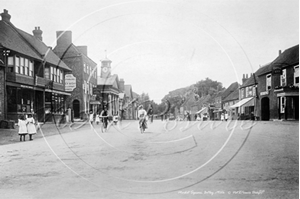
column 149, row 99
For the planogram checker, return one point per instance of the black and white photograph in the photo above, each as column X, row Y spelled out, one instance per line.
column 149, row 99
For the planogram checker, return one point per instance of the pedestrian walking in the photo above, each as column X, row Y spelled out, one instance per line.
column 104, row 116
column 30, row 126
column 97, row 119
column 222, row 117
column 188, row 116
column 91, row 117
column 150, row 112
column 22, row 123
column 226, row 116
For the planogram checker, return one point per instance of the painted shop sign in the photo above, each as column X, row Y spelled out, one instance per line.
column 264, row 93
column 70, row 82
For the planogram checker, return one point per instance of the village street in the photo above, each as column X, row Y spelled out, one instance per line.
column 170, row 160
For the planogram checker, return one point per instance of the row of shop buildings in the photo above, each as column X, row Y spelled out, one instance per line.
column 46, row 81
column 270, row 93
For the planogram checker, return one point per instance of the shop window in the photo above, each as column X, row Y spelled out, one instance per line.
column 283, row 78
column 296, row 75
column 268, row 82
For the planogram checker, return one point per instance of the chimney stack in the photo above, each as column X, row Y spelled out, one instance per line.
column 5, row 16
column 63, row 38
column 279, row 52
column 82, row 49
column 122, row 85
column 37, row 33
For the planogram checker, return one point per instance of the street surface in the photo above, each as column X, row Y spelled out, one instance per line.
column 170, row 160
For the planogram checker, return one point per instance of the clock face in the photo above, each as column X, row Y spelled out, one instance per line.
column 105, row 69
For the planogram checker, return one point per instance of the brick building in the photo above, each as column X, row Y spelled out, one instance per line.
column 278, row 87
column 84, row 69
column 33, row 75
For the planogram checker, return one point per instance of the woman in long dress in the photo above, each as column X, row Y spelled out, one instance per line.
column 22, row 123
column 31, row 126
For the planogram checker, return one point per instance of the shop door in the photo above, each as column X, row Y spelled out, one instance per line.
column 265, row 109
column 76, row 108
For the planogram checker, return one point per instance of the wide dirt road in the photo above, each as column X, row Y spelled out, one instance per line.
column 170, row 160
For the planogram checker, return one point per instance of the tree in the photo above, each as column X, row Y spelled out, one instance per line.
column 208, row 86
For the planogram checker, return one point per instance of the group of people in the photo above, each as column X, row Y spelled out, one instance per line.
column 26, row 126
column 224, row 116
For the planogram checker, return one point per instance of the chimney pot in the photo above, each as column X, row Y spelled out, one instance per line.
column 5, row 16
column 279, row 52
column 37, row 33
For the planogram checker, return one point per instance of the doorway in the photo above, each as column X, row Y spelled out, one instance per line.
column 76, row 108
column 265, row 109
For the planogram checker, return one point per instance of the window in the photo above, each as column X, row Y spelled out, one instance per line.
column 254, row 90
column 87, row 69
column 26, row 67
column 268, row 82
column 247, row 92
column 283, row 78
column 296, row 75
column 10, row 64
column 84, row 67
column 51, row 73
column 242, row 93
column 61, row 76
column 282, row 99
column 31, row 68
column 47, row 74
column 17, row 67
column 250, row 89
column 58, row 75
column 22, row 67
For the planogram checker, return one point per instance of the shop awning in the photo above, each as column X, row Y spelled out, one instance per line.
column 241, row 103
column 57, row 92
column 94, row 102
column 201, row 110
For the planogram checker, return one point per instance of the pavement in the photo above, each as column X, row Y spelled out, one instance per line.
column 170, row 160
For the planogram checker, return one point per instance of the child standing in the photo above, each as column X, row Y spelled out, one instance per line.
column 22, row 123
column 31, row 126
column 97, row 119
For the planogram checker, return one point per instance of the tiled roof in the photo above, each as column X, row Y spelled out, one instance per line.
column 230, row 89
column 10, row 38
column 45, row 51
column 289, row 57
column 232, row 96
column 252, row 80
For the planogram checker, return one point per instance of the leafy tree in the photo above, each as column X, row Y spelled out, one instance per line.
column 207, row 86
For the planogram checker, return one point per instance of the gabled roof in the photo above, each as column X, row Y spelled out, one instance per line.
column 44, row 51
column 10, row 38
column 107, row 81
column 135, row 95
column 232, row 96
column 71, row 51
column 230, row 89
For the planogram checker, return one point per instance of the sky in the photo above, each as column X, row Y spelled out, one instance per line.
column 157, row 46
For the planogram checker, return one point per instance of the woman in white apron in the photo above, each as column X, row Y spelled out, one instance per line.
column 31, row 126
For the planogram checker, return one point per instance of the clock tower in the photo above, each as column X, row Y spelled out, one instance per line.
column 105, row 68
